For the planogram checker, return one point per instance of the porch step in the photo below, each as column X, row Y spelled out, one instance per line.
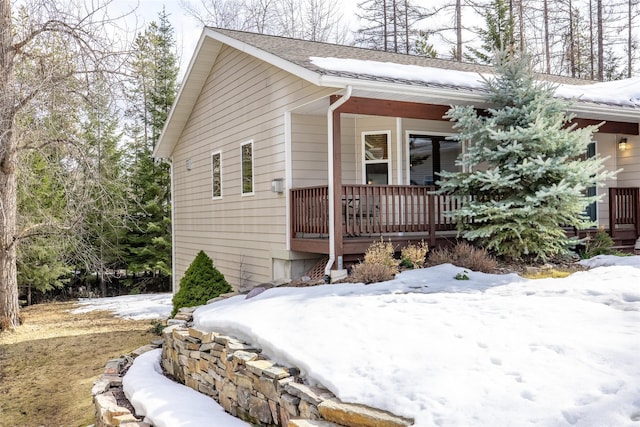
column 627, row 249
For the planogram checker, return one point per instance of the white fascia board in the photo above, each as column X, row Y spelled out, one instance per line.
column 193, row 80
column 448, row 96
column 451, row 96
column 606, row 112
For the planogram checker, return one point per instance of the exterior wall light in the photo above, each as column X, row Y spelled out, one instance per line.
column 188, row 164
column 622, row 144
column 277, row 185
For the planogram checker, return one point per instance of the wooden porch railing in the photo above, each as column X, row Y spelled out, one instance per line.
column 372, row 209
column 624, row 210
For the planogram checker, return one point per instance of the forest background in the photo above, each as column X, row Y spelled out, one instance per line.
column 86, row 89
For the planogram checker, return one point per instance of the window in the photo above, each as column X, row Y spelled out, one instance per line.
column 375, row 151
column 429, row 155
column 592, row 208
column 216, row 175
column 247, row 167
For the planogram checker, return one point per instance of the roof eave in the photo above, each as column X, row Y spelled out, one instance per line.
column 461, row 95
column 198, row 70
column 605, row 112
column 441, row 95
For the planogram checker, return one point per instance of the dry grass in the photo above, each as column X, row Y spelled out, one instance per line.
column 466, row 256
column 48, row 365
column 379, row 265
column 413, row 256
column 551, row 273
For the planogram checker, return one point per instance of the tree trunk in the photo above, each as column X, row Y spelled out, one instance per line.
column 591, row 53
column 8, row 255
column 572, row 53
column 600, row 41
column 8, row 196
column 547, row 42
column 458, row 31
column 630, row 41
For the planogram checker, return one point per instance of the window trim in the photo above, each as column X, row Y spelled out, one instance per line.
column 386, row 161
column 219, row 154
column 253, row 188
column 407, row 150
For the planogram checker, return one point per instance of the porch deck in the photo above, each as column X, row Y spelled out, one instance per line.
column 404, row 214
column 399, row 213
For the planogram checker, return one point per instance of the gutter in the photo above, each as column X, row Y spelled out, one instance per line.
column 332, row 225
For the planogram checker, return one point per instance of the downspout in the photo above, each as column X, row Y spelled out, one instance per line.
column 332, row 225
column 173, row 230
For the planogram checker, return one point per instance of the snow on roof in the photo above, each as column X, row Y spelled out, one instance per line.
column 620, row 92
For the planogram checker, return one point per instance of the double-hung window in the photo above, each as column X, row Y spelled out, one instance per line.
column 375, row 153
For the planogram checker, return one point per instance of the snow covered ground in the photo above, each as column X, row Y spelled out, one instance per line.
column 494, row 350
column 135, row 307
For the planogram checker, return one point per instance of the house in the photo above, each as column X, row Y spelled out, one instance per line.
column 289, row 154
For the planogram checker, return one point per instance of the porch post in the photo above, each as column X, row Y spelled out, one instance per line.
column 613, row 195
column 337, row 189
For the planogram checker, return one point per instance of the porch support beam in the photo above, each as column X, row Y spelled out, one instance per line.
column 388, row 108
column 416, row 110
column 609, row 126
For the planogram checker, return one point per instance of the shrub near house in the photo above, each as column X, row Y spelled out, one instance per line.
column 200, row 283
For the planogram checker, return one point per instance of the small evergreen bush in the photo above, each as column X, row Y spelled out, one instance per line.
column 200, row 283
column 412, row 256
column 466, row 256
column 379, row 265
column 600, row 244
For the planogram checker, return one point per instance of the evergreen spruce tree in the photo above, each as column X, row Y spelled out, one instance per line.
column 498, row 33
column 155, row 87
column 99, row 235
column 43, row 262
column 529, row 171
column 201, row 282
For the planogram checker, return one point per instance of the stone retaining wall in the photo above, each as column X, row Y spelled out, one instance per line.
column 250, row 386
column 240, row 378
column 111, row 406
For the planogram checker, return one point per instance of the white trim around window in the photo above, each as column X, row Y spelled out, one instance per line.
column 374, row 154
column 247, row 184
column 216, row 175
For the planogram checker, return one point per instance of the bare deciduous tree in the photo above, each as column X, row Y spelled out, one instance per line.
column 47, row 51
column 317, row 20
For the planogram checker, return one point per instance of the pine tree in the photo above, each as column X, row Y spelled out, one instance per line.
column 42, row 262
column 156, row 68
column 498, row 33
column 529, row 171
column 424, row 47
column 200, row 283
column 103, row 228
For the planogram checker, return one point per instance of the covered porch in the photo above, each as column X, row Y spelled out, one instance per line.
column 409, row 213
column 376, row 178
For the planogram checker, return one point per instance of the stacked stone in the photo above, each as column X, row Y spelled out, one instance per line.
column 111, row 406
column 251, row 387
